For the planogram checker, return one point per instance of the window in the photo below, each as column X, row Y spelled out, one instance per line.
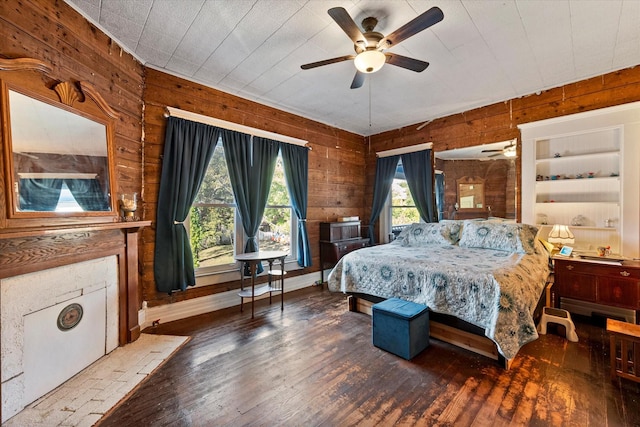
column 276, row 230
column 67, row 203
column 215, row 227
column 403, row 208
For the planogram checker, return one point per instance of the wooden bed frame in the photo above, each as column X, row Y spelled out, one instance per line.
column 453, row 330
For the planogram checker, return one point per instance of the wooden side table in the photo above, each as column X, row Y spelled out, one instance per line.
column 253, row 259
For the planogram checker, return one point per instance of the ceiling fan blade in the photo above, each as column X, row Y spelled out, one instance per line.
column 358, row 80
column 406, row 62
column 326, row 62
column 344, row 20
column 421, row 22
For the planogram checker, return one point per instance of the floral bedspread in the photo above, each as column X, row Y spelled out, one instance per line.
column 492, row 289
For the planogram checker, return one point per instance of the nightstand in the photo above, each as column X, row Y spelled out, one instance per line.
column 598, row 285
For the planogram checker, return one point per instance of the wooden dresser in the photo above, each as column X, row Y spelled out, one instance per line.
column 608, row 285
column 338, row 239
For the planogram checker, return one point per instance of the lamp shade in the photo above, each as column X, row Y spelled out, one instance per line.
column 369, row 61
column 561, row 235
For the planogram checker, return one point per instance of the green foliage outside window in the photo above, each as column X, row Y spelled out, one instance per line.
column 403, row 208
column 212, row 216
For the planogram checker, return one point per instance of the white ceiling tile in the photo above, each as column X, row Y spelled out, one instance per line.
column 122, row 27
column 89, row 8
column 153, row 56
column 182, row 67
column 135, row 11
column 482, row 52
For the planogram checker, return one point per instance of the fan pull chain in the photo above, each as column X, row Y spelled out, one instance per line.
column 369, row 78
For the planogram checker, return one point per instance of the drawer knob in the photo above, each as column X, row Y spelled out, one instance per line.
column 569, row 267
column 625, row 273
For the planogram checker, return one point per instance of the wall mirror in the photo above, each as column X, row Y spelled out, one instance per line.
column 58, row 161
column 471, row 193
column 494, row 168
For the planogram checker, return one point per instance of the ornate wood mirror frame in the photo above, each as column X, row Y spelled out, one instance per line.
column 58, row 146
column 471, row 193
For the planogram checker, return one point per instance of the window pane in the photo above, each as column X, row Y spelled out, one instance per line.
column 400, row 194
column 216, row 186
column 278, row 194
column 67, row 203
column 403, row 210
column 404, row 216
column 212, row 235
column 275, row 230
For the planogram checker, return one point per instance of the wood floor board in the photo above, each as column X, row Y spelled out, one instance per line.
column 315, row 365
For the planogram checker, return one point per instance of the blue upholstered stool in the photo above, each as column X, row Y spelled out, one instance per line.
column 400, row 327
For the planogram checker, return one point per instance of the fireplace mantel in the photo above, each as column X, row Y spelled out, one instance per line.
column 29, row 250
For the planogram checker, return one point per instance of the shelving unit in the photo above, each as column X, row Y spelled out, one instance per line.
column 575, row 166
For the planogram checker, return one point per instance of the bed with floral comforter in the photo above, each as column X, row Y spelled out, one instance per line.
column 488, row 274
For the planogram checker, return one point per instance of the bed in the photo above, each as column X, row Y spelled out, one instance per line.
column 489, row 275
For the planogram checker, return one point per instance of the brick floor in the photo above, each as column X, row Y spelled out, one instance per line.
column 86, row 397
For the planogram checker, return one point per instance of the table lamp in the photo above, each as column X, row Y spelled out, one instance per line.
column 560, row 235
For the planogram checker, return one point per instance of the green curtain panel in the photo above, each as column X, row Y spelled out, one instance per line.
column 295, row 159
column 418, row 169
column 187, row 151
column 251, row 162
column 440, row 195
column 385, row 171
column 39, row 194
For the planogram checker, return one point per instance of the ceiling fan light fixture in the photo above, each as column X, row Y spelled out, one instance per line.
column 510, row 152
column 370, row 61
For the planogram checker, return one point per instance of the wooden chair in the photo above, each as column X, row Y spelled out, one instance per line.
column 625, row 349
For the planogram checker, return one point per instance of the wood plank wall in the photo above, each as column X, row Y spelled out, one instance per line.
column 336, row 163
column 54, row 32
column 342, row 164
column 499, row 121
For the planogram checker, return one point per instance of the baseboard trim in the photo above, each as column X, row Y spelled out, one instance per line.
column 193, row 307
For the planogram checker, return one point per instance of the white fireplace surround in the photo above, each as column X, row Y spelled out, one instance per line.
column 29, row 307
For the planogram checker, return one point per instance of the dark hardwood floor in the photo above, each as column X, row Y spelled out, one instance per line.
column 314, row 365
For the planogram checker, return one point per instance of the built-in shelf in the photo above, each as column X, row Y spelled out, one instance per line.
column 259, row 290
column 574, row 157
column 556, row 151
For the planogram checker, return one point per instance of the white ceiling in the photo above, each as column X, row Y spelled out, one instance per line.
column 484, row 51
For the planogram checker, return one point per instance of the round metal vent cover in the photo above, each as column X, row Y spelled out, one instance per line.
column 69, row 317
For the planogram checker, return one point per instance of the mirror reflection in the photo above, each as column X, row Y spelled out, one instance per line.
column 60, row 159
column 494, row 168
column 471, row 196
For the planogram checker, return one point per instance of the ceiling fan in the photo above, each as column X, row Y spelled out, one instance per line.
column 507, row 151
column 370, row 45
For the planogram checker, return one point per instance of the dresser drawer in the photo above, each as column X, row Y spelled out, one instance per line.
column 619, row 292
column 332, row 252
column 620, row 271
column 578, row 286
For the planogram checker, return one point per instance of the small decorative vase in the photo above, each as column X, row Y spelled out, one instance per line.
column 129, row 205
column 578, row 221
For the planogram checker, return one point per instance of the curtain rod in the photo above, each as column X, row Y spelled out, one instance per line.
column 404, row 150
column 195, row 117
column 56, row 175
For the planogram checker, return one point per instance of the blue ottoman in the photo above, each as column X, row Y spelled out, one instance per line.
column 400, row 327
